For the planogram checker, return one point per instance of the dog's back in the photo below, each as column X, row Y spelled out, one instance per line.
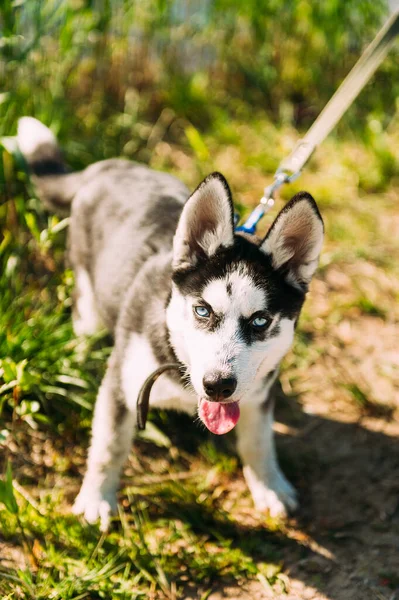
column 121, row 214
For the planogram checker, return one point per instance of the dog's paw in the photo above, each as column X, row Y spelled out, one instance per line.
column 94, row 505
column 277, row 496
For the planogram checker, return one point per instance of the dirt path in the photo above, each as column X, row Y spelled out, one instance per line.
column 346, row 536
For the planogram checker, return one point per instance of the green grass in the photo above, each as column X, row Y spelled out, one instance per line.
column 185, row 515
column 179, row 537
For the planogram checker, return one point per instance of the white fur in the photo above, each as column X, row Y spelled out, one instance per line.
column 111, row 439
column 108, row 451
column 255, row 444
column 86, row 320
column 223, row 351
column 245, row 298
column 215, row 294
column 138, row 363
column 32, row 134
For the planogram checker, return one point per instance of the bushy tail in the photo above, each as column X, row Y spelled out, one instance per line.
column 55, row 186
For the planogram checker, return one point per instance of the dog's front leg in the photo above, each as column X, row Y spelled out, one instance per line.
column 255, row 443
column 112, row 432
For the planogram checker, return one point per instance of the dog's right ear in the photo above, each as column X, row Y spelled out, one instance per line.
column 294, row 240
column 206, row 223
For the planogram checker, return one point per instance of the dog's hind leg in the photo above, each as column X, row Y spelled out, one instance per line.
column 255, row 443
column 112, row 433
column 85, row 317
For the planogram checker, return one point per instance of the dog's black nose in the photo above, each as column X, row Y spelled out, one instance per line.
column 218, row 387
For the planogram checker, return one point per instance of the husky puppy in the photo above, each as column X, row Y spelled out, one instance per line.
column 165, row 272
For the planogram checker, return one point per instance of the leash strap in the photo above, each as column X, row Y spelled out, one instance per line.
column 349, row 89
column 290, row 168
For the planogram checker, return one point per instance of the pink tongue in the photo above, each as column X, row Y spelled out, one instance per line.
column 219, row 418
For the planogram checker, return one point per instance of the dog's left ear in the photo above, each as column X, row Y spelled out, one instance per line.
column 206, row 223
column 295, row 239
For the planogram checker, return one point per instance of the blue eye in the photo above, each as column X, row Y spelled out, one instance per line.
column 202, row 312
column 260, row 322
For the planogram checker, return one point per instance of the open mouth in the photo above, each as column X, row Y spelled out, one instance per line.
column 219, row 417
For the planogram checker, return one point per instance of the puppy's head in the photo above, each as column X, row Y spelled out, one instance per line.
column 235, row 298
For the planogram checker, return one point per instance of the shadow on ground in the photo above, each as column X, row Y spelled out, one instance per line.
column 344, row 542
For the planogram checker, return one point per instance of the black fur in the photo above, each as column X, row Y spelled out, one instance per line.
column 282, row 297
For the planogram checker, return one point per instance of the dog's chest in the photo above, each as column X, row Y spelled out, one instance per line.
column 138, row 363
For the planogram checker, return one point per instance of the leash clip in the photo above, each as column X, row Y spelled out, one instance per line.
column 267, row 201
column 280, row 177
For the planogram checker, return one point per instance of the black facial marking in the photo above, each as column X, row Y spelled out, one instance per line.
column 229, row 288
column 210, row 323
column 274, row 331
column 251, row 334
column 246, row 257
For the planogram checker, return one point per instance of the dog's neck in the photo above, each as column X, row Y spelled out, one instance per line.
column 174, row 311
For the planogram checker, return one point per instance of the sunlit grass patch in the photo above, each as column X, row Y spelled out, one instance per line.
column 167, row 536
